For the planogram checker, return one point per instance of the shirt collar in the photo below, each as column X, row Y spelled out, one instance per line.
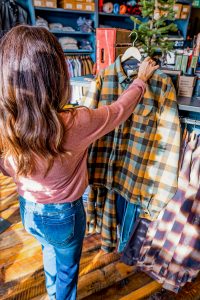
column 122, row 77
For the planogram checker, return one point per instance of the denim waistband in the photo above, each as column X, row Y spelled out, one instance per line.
column 34, row 206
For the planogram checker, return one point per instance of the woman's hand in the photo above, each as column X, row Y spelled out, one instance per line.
column 147, row 68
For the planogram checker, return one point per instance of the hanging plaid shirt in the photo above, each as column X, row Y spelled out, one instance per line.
column 171, row 251
column 101, row 216
column 139, row 159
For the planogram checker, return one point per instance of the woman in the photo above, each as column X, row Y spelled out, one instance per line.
column 44, row 147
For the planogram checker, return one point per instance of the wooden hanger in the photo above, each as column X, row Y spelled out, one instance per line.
column 132, row 52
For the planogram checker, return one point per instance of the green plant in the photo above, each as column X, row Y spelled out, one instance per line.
column 152, row 31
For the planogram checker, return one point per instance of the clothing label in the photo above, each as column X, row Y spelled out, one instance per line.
column 130, row 72
column 49, row 4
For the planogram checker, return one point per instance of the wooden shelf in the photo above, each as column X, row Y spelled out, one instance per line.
column 62, row 10
column 119, row 15
column 61, row 32
column 189, row 104
column 78, row 51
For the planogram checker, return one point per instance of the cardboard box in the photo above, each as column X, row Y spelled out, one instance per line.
column 84, row 6
column 39, row 3
column 45, row 3
column 79, row 6
column 69, row 4
column 186, row 91
column 120, row 50
column 109, row 41
column 186, row 86
column 177, row 9
column 185, row 11
column 89, row 6
column 187, row 81
column 76, row 5
column 51, row 3
column 85, row 1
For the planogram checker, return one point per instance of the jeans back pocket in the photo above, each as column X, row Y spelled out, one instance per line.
column 58, row 231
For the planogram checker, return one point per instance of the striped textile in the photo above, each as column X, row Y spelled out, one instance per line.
column 139, row 159
column 171, row 251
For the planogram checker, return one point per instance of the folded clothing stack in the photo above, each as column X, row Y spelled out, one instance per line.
column 42, row 23
column 68, row 43
column 52, row 26
column 59, row 26
column 84, row 25
column 85, row 45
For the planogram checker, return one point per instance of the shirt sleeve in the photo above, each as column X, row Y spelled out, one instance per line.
column 92, row 97
column 91, row 124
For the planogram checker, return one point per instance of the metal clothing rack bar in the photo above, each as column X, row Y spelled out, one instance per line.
column 189, row 121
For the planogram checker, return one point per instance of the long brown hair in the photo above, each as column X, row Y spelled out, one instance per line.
column 34, row 86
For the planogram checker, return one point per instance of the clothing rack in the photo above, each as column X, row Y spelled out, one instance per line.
column 189, row 121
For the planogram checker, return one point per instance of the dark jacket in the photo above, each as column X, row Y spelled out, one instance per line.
column 11, row 14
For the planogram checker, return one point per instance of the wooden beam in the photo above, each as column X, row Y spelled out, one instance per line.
column 102, row 278
column 143, row 292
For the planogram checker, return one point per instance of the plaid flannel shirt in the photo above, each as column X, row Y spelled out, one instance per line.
column 139, row 159
column 171, row 251
column 101, row 216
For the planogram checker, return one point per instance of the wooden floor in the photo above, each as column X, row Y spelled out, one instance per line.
column 101, row 276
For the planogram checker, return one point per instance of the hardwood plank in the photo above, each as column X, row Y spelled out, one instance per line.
column 8, row 192
column 102, row 278
column 8, row 256
column 42, row 297
column 96, row 261
column 123, row 288
column 91, row 242
column 26, row 288
column 143, row 292
column 12, row 214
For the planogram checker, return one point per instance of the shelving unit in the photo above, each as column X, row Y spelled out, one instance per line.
column 186, row 104
column 114, row 15
column 60, row 32
column 62, row 10
column 79, row 51
column 69, row 17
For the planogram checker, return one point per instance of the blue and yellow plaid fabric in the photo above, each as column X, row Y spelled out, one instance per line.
column 139, row 159
column 101, row 216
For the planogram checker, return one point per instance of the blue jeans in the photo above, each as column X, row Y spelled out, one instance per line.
column 127, row 214
column 60, row 229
